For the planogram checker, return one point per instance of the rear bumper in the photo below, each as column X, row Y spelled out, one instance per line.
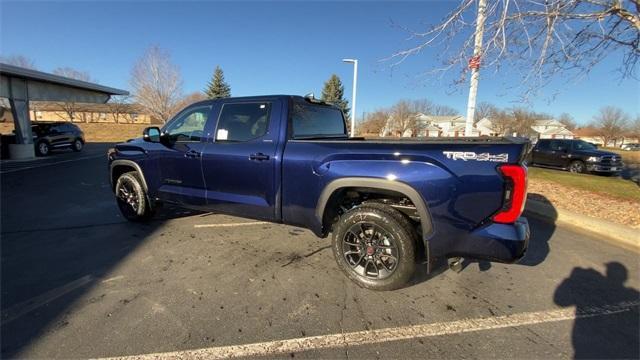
column 506, row 243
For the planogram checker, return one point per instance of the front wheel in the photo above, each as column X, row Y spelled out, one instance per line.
column 42, row 148
column 132, row 198
column 375, row 247
column 77, row 145
column 577, row 167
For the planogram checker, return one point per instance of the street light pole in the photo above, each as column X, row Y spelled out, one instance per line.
column 474, row 65
column 353, row 94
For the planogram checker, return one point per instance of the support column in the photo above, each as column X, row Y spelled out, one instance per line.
column 19, row 100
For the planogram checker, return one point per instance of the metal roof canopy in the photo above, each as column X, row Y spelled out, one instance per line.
column 21, row 85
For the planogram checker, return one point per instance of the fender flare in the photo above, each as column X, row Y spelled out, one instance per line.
column 131, row 164
column 383, row 184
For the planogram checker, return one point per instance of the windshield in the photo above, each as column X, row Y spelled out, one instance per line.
column 316, row 121
column 583, row 145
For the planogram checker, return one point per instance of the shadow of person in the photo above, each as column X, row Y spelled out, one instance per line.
column 610, row 336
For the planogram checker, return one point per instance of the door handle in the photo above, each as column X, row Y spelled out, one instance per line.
column 259, row 157
column 192, row 154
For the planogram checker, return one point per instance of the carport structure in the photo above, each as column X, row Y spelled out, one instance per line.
column 21, row 85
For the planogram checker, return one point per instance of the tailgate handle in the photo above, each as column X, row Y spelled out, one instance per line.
column 259, row 157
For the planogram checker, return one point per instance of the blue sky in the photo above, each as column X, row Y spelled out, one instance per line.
column 277, row 47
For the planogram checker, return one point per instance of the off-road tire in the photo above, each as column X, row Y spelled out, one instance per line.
column 394, row 224
column 131, row 184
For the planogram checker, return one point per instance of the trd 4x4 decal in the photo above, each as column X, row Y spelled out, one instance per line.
column 469, row 155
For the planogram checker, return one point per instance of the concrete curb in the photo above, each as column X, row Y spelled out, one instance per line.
column 624, row 236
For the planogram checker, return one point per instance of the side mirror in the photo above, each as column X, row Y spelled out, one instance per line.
column 151, row 134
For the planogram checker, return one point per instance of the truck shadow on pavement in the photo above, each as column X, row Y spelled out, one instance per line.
column 62, row 236
column 609, row 336
column 46, row 273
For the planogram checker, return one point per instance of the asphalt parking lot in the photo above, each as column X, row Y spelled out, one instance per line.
column 79, row 281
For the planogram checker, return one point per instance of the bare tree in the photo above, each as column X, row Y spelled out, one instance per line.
column 423, row 106
column 502, row 122
column 538, row 39
column 18, row 60
column 374, row 122
column 119, row 109
column 157, row 83
column 73, row 73
column 611, row 124
column 567, row 121
column 443, row 110
column 188, row 100
column 485, row 110
column 523, row 120
column 403, row 118
column 71, row 111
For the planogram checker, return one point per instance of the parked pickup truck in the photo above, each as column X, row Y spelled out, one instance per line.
column 577, row 156
column 289, row 159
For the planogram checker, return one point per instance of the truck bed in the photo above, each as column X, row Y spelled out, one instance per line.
column 461, row 186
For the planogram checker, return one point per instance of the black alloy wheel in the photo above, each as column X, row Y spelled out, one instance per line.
column 370, row 250
column 374, row 246
column 132, row 198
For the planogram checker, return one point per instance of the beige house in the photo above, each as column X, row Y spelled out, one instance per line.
column 544, row 129
column 429, row 130
column 551, row 129
column 454, row 126
column 430, row 126
column 90, row 113
column 449, row 125
column 590, row 134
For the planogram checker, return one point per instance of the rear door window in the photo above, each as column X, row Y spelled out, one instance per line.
column 557, row 145
column 543, row 145
column 241, row 122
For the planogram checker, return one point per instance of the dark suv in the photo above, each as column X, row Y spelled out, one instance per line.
column 53, row 135
column 577, row 156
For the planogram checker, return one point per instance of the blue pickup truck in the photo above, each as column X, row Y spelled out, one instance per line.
column 289, row 159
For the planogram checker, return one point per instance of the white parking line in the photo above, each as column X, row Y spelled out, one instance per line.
column 389, row 334
column 52, row 163
column 229, row 225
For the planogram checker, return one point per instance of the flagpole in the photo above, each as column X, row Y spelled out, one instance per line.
column 474, row 65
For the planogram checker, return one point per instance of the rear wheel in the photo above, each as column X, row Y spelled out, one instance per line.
column 132, row 198
column 577, row 167
column 374, row 245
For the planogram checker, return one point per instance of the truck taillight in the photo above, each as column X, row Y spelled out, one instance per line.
column 515, row 193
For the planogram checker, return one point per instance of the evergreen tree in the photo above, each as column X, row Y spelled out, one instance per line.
column 333, row 93
column 217, row 87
